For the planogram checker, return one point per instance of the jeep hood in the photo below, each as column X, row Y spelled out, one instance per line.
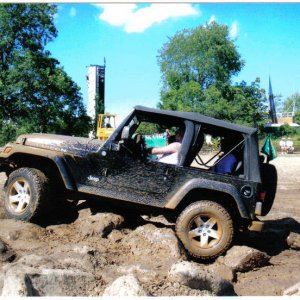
column 66, row 144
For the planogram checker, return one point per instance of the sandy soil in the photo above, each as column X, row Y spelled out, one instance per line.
column 282, row 272
column 284, row 217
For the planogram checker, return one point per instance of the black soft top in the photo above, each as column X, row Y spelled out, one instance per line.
column 196, row 117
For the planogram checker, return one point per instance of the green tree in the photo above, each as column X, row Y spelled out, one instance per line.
column 205, row 55
column 197, row 66
column 297, row 117
column 36, row 94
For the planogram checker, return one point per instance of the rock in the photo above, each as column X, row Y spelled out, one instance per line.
column 115, row 236
column 62, row 282
column 244, row 259
column 293, row 240
column 143, row 274
column 153, row 244
column 100, row 224
column 293, row 290
column 6, row 255
column 16, row 284
column 22, row 235
column 199, row 277
column 77, row 256
column 46, row 276
column 223, row 271
column 3, row 247
column 127, row 285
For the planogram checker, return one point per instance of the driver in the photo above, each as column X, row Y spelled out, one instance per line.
column 169, row 152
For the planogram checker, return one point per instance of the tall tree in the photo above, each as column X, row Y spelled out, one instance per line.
column 292, row 104
column 197, row 66
column 205, row 55
column 36, row 94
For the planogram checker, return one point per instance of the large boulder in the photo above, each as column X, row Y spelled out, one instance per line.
column 127, row 285
column 48, row 276
column 16, row 283
column 155, row 246
column 199, row 277
column 244, row 259
column 99, row 224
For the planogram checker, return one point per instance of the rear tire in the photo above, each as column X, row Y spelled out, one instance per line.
column 26, row 194
column 205, row 229
column 269, row 185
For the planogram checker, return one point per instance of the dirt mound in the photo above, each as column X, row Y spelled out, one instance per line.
column 92, row 249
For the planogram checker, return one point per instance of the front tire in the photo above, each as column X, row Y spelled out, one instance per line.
column 205, row 229
column 25, row 194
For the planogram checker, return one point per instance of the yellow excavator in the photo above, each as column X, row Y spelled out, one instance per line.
column 105, row 126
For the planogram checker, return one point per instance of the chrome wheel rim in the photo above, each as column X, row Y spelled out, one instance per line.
column 19, row 196
column 205, row 231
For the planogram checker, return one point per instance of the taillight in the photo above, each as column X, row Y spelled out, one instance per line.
column 262, row 196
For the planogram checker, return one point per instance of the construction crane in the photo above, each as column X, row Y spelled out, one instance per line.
column 106, row 125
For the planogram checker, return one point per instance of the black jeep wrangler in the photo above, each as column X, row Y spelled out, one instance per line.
column 208, row 207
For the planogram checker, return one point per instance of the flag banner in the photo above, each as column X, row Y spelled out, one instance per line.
column 269, row 149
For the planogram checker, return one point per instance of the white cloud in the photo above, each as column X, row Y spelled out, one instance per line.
column 234, row 30
column 73, row 12
column 134, row 19
column 212, row 19
column 116, row 14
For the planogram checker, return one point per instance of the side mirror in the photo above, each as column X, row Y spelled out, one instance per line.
column 125, row 133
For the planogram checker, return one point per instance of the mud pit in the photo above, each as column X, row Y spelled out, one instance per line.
column 83, row 249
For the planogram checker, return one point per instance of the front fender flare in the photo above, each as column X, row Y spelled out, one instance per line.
column 194, row 184
column 65, row 173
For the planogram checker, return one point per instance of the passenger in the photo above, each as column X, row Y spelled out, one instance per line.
column 228, row 163
column 169, row 152
column 283, row 145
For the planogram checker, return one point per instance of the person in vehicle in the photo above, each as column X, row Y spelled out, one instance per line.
column 169, row 152
column 228, row 164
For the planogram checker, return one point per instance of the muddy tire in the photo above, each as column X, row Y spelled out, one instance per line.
column 205, row 229
column 25, row 194
column 269, row 185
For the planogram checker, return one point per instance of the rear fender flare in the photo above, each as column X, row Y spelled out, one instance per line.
column 194, row 184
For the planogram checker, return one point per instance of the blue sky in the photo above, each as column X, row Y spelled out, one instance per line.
column 129, row 36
